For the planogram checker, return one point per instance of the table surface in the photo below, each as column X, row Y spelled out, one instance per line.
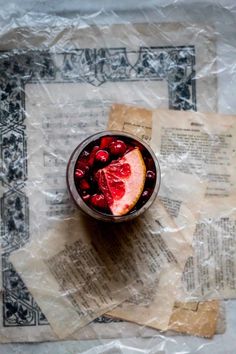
column 223, row 17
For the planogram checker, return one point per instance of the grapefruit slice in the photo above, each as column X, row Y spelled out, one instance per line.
column 122, row 182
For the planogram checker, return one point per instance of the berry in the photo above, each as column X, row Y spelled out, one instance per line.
column 106, row 141
column 93, row 184
column 98, row 201
column 84, row 155
column 86, row 197
column 84, row 185
column 149, row 163
column 79, row 173
column 83, row 166
column 102, row 156
column 150, row 176
column 92, row 155
column 117, row 147
column 146, row 195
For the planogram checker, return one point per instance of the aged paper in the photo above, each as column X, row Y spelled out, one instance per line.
column 153, row 307
column 131, row 119
column 200, row 144
column 197, row 318
column 183, row 203
column 204, row 145
column 77, row 272
column 170, row 53
column 63, row 96
column 211, row 272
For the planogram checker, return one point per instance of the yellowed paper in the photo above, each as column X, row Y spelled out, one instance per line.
column 210, row 273
column 204, row 145
column 154, row 308
column 131, row 119
column 183, row 204
column 77, row 272
column 190, row 317
column 200, row 144
column 196, row 318
column 182, row 196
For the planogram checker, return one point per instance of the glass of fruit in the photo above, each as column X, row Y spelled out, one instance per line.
column 113, row 176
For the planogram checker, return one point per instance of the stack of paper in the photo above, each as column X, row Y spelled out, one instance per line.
column 165, row 270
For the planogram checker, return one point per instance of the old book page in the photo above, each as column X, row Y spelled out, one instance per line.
column 196, row 318
column 200, row 144
column 193, row 318
column 182, row 202
column 210, row 143
column 211, row 272
column 131, row 119
column 154, row 309
column 79, row 270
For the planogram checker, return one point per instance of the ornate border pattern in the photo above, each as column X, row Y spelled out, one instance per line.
column 176, row 65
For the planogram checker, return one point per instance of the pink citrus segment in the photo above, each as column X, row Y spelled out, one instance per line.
column 122, row 182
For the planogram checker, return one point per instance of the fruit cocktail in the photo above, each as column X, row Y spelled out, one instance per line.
column 113, row 176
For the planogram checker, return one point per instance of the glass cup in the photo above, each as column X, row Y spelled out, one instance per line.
column 77, row 198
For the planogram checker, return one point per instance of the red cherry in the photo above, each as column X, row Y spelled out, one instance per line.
column 84, row 155
column 102, row 156
column 92, row 155
column 146, row 194
column 82, row 165
column 86, row 198
column 149, row 163
column 84, row 185
column 106, row 141
column 92, row 180
column 150, row 176
column 95, row 148
column 117, row 147
column 98, row 201
column 79, row 173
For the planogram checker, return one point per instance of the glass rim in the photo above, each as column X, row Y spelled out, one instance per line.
column 78, row 200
